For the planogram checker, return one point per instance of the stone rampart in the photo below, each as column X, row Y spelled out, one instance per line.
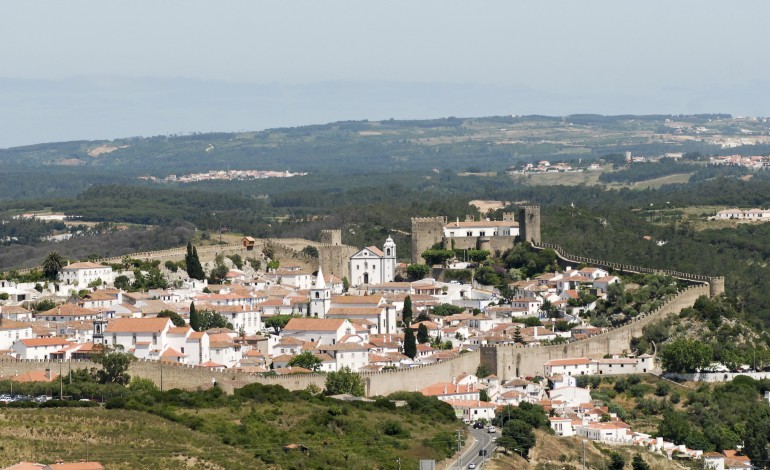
column 508, row 361
column 716, row 284
column 172, row 375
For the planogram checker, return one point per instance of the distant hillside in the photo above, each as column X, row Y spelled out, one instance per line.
column 356, row 148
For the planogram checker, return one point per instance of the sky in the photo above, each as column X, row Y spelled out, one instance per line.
column 87, row 69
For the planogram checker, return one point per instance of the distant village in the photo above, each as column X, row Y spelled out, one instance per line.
column 224, row 175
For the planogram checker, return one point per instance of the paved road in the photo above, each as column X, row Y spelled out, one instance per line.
column 484, row 441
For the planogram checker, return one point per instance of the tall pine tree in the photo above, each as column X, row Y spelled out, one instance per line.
column 410, row 344
column 406, row 314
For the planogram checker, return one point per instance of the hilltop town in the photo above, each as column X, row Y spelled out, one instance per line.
column 275, row 311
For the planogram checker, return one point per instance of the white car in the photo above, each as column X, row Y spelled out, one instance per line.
column 491, row 429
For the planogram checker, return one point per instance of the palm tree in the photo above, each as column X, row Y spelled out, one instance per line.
column 52, row 264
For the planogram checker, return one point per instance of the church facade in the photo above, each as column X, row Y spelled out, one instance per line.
column 374, row 266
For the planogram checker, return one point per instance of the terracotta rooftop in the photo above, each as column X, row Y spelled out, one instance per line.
column 314, row 324
column 137, row 325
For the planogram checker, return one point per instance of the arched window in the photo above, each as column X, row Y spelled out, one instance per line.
column 317, row 295
column 388, row 251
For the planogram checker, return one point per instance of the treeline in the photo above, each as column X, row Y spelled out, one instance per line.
column 114, row 243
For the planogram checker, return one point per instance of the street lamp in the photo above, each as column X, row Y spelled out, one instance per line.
column 584, row 454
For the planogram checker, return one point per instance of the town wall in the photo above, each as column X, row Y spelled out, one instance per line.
column 510, row 361
column 716, row 284
column 426, row 232
column 171, row 375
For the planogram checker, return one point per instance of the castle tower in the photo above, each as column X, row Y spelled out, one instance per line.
column 426, row 232
column 529, row 223
column 389, row 261
column 331, row 237
column 320, row 297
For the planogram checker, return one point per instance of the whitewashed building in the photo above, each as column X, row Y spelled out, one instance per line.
column 83, row 274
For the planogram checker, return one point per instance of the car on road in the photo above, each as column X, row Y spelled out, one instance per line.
column 491, row 429
column 471, row 465
column 478, row 425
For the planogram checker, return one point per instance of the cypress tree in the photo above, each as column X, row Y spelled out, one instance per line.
column 410, row 344
column 194, row 268
column 195, row 318
column 406, row 314
column 422, row 334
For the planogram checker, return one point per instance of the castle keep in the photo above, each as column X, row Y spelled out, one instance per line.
column 472, row 234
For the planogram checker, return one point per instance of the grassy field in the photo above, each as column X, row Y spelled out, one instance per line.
column 655, row 183
column 269, row 428
column 120, row 439
column 588, row 178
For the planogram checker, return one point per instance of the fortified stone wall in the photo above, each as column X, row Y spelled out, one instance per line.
column 493, row 243
column 716, row 284
column 335, row 259
column 508, row 362
column 182, row 376
column 426, row 232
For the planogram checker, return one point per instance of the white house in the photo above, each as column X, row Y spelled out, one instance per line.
column 68, row 312
column 473, row 410
column 242, row 317
column 570, row 366
column 603, row 283
column 562, row 426
column 11, row 331
column 531, row 305
column 352, row 355
column 145, row 338
column 223, row 350
column 317, row 330
column 192, row 346
column 39, row 348
column 613, row 431
column 374, row 266
column 83, row 274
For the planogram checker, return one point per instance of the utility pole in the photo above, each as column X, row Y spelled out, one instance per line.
column 399, row 462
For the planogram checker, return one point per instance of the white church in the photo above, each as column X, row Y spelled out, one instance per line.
column 374, row 266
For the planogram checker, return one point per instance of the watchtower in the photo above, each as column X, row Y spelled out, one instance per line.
column 331, row 237
column 426, row 232
column 529, row 223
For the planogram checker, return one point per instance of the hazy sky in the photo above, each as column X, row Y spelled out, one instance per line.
column 569, row 56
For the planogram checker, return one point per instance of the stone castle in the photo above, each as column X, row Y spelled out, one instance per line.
column 489, row 235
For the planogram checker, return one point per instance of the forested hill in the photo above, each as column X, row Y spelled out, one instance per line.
column 360, row 148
